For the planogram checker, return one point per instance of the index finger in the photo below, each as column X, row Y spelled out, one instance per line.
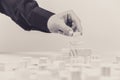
column 76, row 21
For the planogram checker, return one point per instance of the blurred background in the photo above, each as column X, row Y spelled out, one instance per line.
column 99, row 18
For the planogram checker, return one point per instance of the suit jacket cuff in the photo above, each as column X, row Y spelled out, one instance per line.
column 39, row 18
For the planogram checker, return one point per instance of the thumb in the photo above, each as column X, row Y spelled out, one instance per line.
column 66, row 29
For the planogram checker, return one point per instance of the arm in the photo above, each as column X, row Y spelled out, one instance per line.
column 26, row 13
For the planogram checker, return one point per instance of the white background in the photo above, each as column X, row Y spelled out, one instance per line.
column 100, row 21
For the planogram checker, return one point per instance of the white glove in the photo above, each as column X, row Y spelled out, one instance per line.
column 65, row 23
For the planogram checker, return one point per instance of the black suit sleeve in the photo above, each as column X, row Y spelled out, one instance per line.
column 26, row 13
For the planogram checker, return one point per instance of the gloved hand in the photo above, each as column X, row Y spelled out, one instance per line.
column 65, row 23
